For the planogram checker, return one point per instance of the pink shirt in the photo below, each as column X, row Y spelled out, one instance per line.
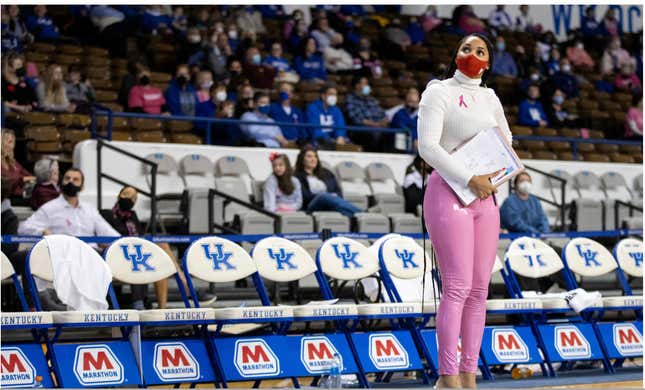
column 629, row 82
column 634, row 122
column 149, row 99
column 579, row 57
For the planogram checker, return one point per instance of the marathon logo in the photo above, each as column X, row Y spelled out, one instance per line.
column 255, row 314
column 9, row 319
column 174, row 362
column 97, row 365
column 16, row 369
column 571, row 343
column 387, row 353
column 106, row 317
column 254, row 358
column 317, row 354
column 508, row 346
column 628, row 340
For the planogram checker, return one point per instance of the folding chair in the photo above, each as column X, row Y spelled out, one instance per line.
column 136, row 261
column 103, row 361
column 563, row 340
column 382, row 352
column 23, row 361
column 586, row 257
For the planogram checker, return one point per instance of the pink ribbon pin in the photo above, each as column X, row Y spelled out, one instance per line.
column 462, row 102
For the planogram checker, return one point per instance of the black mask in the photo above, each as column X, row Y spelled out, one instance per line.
column 70, row 189
column 21, row 72
column 182, row 80
column 144, row 80
column 125, row 204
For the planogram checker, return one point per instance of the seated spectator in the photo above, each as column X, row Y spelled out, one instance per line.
column 504, row 65
column 336, row 58
column 565, row 80
column 46, row 188
column 364, row 110
column 233, row 37
column 9, row 224
column 324, row 111
column 41, row 25
column 634, row 119
column 370, row 66
column 310, row 65
column 235, row 77
column 544, row 46
column 627, row 81
column 589, row 26
column 320, row 190
column 193, row 48
column 179, row 20
column 205, row 103
column 534, row 77
column 522, row 61
column 125, row 221
column 146, row 98
column 430, row 19
column 271, row 11
column 245, row 93
column 285, row 72
column 466, row 20
column 499, row 20
column 553, row 64
column 557, row 115
column 181, row 96
column 610, row 25
column 416, row 177
column 282, row 192
column 249, row 19
column 298, row 35
column 531, row 112
column 260, row 76
column 219, row 94
column 323, row 34
column 155, row 21
column 111, row 23
column 129, row 80
column 406, row 117
column 214, row 54
column 397, row 36
column 17, row 94
column 79, row 89
column 524, row 21
column 283, row 111
column 14, row 31
column 522, row 211
column 614, row 57
column 415, row 31
column 51, row 91
column 14, row 174
column 228, row 134
column 578, row 56
column 268, row 135
column 291, row 23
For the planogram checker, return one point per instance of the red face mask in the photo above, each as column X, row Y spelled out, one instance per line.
column 471, row 66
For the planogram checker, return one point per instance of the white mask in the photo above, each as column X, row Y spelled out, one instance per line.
column 220, row 96
column 524, row 187
column 206, row 85
column 332, row 100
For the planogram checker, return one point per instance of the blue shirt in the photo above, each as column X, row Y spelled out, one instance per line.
column 504, row 64
column 360, row 108
column 589, row 26
column 151, row 22
column 530, row 113
column 523, row 216
column 180, row 101
column 415, row 31
column 317, row 114
column 277, row 112
column 312, row 67
column 404, row 119
column 567, row 83
column 264, row 134
column 207, row 109
column 280, row 64
column 42, row 28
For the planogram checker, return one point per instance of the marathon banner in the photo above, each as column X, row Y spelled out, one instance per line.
column 21, row 364
column 504, row 345
column 569, row 341
column 175, row 361
column 622, row 339
column 387, row 351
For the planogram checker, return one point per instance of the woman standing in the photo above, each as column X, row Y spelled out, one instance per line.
column 465, row 238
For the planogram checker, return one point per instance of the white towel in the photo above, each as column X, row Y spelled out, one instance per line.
column 81, row 277
column 577, row 299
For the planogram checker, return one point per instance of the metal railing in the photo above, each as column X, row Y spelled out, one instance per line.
column 618, row 204
column 212, row 193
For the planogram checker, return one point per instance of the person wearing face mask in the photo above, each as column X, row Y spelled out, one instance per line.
column 46, row 188
column 249, row 19
column 181, row 96
column 192, row 48
column 407, row 116
column 155, row 21
column 430, row 19
column 79, row 91
column 534, row 77
column 282, row 66
column 578, row 56
column 364, row 110
column 268, row 135
column 125, row 221
column 531, row 113
column 367, row 63
column 565, row 80
column 233, row 37
column 522, row 211
column 146, row 98
column 41, row 25
column 553, row 63
column 205, row 104
column 17, row 94
column 465, row 238
column 284, row 111
column 260, row 76
column 499, row 20
column 310, row 64
column 336, row 58
column 67, row 214
column 227, row 134
column 557, row 115
column 504, row 62
column 627, row 81
column 324, row 111
column 614, row 57
column 524, row 21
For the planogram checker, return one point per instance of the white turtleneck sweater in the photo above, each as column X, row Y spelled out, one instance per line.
column 451, row 112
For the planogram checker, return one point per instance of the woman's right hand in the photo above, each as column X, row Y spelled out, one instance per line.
column 481, row 184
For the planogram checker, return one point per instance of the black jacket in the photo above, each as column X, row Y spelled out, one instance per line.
column 119, row 224
column 9, row 226
column 326, row 176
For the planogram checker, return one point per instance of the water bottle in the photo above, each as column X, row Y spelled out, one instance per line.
column 521, row 373
column 39, row 382
column 335, row 377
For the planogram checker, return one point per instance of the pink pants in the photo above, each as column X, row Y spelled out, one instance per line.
column 465, row 242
